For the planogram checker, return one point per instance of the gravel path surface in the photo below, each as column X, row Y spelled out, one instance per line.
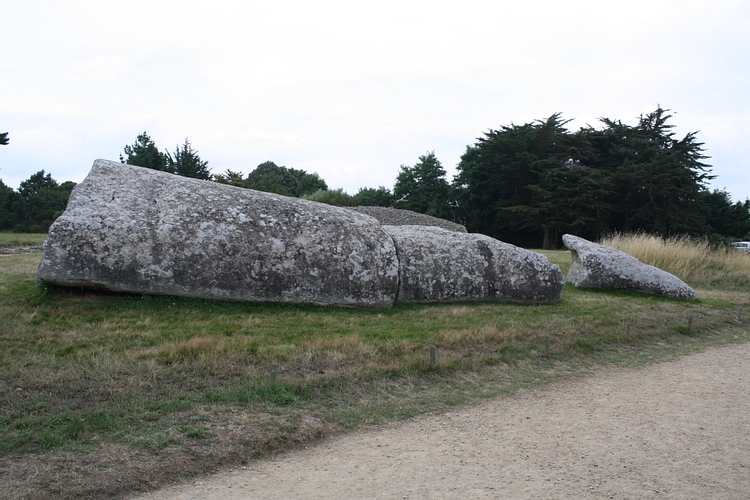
column 678, row 429
column 14, row 250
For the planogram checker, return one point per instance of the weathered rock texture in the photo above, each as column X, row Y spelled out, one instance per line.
column 131, row 229
column 398, row 217
column 438, row 265
column 598, row 266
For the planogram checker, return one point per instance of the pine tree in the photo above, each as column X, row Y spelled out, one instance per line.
column 187, row 163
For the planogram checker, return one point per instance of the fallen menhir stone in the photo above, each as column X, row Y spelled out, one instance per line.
column 399, row 217
column 438, row 265
column 136, row 230
column 598, row 266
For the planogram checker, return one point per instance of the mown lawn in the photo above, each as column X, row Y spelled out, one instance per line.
column 103, row 394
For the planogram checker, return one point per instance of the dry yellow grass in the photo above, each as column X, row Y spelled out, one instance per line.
column 695, row 261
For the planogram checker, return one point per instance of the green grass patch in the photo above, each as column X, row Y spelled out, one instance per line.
column 22, row 239
column 186, row 382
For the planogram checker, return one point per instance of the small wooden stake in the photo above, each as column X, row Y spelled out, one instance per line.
column 433, row 356
column 546, row 347
column 272, row 376
column 690, row 322
column 739, row 313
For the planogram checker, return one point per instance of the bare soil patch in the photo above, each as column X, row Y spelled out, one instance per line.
column 677, row 429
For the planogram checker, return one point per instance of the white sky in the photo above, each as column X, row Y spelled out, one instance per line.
column 352, row 90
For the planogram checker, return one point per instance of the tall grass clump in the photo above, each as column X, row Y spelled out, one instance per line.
column 694, row 260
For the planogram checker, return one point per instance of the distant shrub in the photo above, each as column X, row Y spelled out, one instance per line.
column 337, row 197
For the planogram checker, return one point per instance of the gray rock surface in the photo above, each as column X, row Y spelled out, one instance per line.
column 131, row 229
column 398, row 217
column 598, row 266
column 438, row 265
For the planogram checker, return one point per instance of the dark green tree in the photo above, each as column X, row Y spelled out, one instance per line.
column 724, row 218
column 187, row 163
column 4, row 139
column 272, row 178
column 423, row 188
column 144, row 153
column 10, row 202
column 36, row 183
column 570, row 194
column 528, row 183
column 505, row 183
column 39, row 202
column 657, row 177
column 371, row 197
column 307, row 183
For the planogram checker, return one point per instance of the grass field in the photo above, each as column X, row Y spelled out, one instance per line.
column 104, row 394
column 22, row 239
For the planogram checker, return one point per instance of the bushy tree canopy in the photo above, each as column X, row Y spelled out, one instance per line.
column 423, row 188
column 36, row 183
column 9, row 201
column 529, row 183
column 36, row 205
column 724, row 218
column 4, row 139
column 144, row 153
column 371, row 197
column 657, row 178
column 272, row 178
column 307, row 183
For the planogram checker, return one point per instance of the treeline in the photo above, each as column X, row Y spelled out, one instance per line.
column 525, row 184
column 530, row 183
column 267, row 176
column 38, row 202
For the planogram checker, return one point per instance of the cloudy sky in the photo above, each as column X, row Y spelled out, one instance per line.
column 353, row 90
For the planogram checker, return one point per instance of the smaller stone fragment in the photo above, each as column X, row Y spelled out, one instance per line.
column 599, row 266
column 438, row 265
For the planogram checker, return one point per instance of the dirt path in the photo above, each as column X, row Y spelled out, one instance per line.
column 15, row 250
column 678, row 429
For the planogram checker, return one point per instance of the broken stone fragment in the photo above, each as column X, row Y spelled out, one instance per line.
column 598, row 266
column 438, row 265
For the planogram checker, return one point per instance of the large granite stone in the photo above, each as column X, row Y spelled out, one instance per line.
column 438, row 265
column 598, row 266
column 398, row 217
column 131, row 229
